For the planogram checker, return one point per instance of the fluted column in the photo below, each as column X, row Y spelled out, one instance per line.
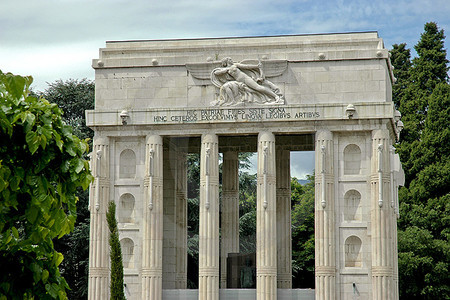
column 381, row 217
column 325, row 244
column 209, row 219
column 98, row 204
column 284, row 240
column 230, row 211
column 181, row 217
column 266, row 226
column 152, row 241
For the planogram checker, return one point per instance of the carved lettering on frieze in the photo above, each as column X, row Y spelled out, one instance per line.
column 234, row 114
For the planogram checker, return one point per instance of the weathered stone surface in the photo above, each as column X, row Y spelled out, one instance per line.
column 156, row 101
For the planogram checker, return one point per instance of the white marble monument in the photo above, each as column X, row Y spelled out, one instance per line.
column 157, row 101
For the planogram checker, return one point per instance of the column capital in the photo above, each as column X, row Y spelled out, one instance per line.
column 324, row 135
column 380, row 134
column 101, row 140
column 266, row 136
column 382, row 271
column 210, row 138
column 325, row 271
column 154, row 139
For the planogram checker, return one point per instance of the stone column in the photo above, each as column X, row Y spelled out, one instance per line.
column 394, row 214
column 152, row 222
column 324, row 228
column 209, row 219
column 284, row 239
column 98, row 204
column 169, row 223
column 181, row 217
column 381, row 217
column 266, row 226
column 230, row 211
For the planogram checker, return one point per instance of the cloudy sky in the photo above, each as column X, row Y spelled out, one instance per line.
column 57, row 39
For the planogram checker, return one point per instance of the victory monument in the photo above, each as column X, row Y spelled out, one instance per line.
column 157, row 101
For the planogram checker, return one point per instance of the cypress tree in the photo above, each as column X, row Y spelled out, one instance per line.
column 427, row 70
column 401, row 60
column 116, row 284
column 424, row 101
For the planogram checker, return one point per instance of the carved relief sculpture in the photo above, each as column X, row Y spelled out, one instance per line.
column 240, row 83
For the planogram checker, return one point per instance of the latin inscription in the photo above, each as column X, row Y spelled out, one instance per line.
column 235, row 114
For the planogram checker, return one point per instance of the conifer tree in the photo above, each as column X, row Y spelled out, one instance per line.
column 401, row 60
column 116, row 284
column 424, row 101
column 428, row 70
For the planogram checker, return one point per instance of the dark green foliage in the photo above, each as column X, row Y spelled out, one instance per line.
column 75, row 266
column 41, row 168
column 431, row 66
column 193, row 175
column 427, row 71
column 116, row 283
column 423, row 237
column 247, row 205
column 400, row 59
column 423, row 264
column 247, row 212
column 193, row 184
column 192, row 242
column 75, row 248
column 303, row 253
column 74, row 97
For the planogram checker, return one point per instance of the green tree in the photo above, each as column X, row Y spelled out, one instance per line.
column 41, row 167
column 116, row 284
column 303, row 253
column 423, row 237
column 247, row 212
column 427, row 71
column 401, row 60
column 74, row 97
column 424, row 246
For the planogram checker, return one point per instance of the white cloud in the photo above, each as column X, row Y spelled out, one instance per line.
column 53, row 39
column 57, row 39
column 47, row 64
column 302, row 164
